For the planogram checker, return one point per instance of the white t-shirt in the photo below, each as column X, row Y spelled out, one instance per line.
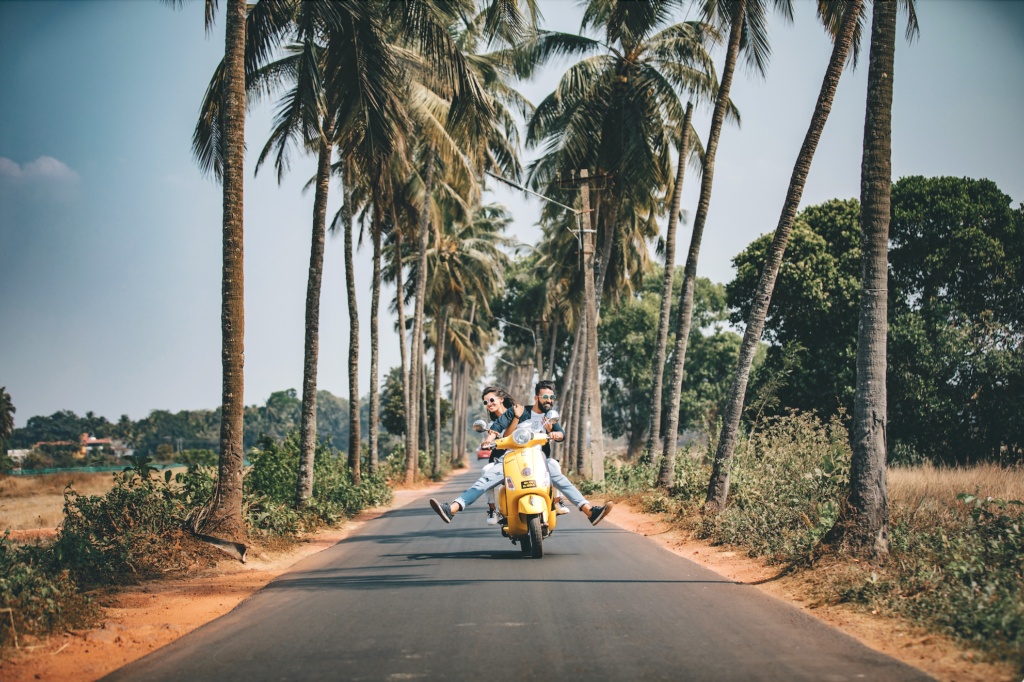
column 533, row 421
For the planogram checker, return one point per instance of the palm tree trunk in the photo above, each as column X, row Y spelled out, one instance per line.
column 374, row 425
column 868, row 497
column 576, row 455
column 424, row 425
column 438, row 362
column 410, row 469
column 307, row 451
column 416, row 358
column 538, row 358
column 603, row 263
column 354, row 435
column 225, row 519
column 551, row 352
column 718, row 486
column 457, row 366
column 658, row 365
column 666, row 476
column 592, row 387
column 567, row 378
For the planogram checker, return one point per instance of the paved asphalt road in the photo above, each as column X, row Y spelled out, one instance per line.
column 410, row 598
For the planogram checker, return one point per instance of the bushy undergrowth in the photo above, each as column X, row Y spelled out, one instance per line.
column 40, row 598
column 956, row 562
column 965, row 577
column 269, row 488
column 139, row 529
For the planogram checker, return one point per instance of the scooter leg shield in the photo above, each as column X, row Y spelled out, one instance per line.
column 532, row 504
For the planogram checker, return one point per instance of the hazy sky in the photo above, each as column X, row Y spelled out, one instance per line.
column 110, row 237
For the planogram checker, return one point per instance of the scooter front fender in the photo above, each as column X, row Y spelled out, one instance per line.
column 532, row 504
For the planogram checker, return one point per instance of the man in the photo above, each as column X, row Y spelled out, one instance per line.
column 505, row 424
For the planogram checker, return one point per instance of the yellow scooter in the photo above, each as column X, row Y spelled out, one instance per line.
column 526, row 498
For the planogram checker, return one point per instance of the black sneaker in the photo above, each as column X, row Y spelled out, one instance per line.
column 597, row 513
column 443, row 509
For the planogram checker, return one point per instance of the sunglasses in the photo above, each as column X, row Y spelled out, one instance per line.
column 492, row 400
column 549, row 396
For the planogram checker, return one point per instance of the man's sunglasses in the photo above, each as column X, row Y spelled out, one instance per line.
column 549, row 396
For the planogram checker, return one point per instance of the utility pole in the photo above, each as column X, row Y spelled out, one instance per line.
column 592, row 384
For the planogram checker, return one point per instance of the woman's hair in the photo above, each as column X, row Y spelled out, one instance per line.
column 506, row 398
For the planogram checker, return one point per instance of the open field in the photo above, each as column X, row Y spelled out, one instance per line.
column 929, row 492
column 33, row 502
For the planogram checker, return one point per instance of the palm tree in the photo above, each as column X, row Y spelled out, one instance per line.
column 628, row 95
column 842, row 19
column 465, row 262
column 658, row 364
column 330, row 104
column 219, row 147
column 868, row 499
column 7, row 411
column 468, row 130
column 748, row 31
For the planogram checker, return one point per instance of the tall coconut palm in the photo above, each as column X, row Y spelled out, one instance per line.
column 219, row 146
column 842, row 20
column 626, row 89
column 331, row 104
column 7, row 411
column 748, row 28
column 465, row 261
column 868, row 499
column 658, row 363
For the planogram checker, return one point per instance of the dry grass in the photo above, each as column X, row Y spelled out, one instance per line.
column 928, row 493
column 31, row 502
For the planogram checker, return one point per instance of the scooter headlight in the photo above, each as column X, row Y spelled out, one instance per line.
column 521, row 436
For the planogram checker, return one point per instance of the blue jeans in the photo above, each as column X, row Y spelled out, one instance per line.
column 496, row 477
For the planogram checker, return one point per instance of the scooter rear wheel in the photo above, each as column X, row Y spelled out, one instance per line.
column 536, row 537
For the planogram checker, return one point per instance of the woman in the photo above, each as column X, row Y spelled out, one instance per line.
column 496, row 401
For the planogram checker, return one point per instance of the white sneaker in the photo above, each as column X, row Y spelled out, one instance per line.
column 561, row 508
column 492, row 517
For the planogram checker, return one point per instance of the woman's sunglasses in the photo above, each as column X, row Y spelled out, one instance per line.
column 492, row 400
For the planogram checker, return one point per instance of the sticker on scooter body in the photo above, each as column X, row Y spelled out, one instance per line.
column 528, row 484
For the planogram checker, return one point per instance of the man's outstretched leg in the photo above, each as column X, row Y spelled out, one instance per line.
column 559, row 480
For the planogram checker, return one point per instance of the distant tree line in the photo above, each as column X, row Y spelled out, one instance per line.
column 163, row 433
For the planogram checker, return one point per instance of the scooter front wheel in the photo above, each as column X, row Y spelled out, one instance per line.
column 536, row 537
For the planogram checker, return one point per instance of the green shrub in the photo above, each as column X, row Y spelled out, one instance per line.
column 270, row 486
column 40, row 599
column 788, row 484
column 967, row 579
column 134, row 530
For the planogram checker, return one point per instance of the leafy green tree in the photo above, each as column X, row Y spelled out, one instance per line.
column 956, row 360
column 392, row 414
column 814, row 303
column 954, row 355
column 631, row 333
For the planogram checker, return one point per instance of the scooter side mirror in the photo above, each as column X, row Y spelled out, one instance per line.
column 479, row 426
column 552, row 416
